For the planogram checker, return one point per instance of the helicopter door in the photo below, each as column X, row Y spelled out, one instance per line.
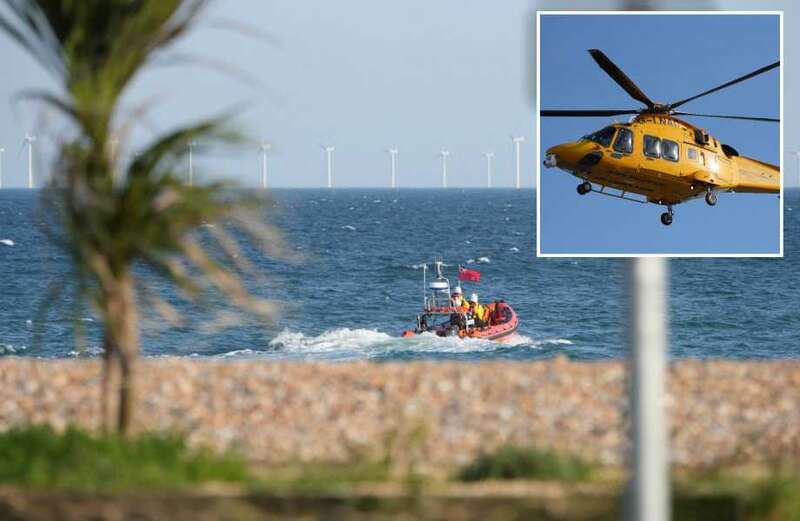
column 650, row 171
column 723, row 173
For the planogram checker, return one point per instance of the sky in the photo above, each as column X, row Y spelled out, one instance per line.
column 362, row 75
column 670, row 58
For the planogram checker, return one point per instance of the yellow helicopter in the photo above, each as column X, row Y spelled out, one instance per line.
column 657, row 155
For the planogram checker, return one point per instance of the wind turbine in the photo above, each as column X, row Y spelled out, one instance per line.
column 29, row 141
column 265, row 148
column 443, row 154
column 489, row 156
column 517, row 140
column 1, row 166
column 393, row 155
column 329, row 161
column 191, row 146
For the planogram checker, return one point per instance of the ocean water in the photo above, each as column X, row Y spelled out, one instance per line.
column 360, row 284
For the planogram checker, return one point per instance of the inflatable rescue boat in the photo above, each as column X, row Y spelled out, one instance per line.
column 440, row 317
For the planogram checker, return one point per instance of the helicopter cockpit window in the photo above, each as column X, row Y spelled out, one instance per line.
column 670, row 150
column 624, row 141
column 602, row 137
column 652, row 146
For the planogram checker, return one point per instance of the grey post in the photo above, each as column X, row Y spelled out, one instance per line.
column 647, row 337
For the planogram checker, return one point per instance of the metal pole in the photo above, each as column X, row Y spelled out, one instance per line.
column 1, row 166
column 647, row 338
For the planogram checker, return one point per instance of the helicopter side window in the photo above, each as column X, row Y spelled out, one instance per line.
column 624, row 141
column 602, row 137
column 652, row 146
column 670, row 150
column 691, row 154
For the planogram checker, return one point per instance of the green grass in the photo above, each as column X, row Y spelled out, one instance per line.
column 321, row 477
column 778, row 497
column 763, row 494
column 39, row 457
column 511, row 462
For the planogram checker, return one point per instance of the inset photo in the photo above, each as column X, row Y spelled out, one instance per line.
column 659, row 134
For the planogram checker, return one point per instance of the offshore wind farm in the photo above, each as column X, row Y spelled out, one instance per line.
column 194, row 151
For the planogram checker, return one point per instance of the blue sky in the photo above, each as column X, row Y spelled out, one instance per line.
column 670, row 58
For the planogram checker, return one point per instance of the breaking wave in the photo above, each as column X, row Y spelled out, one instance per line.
column 365, row 344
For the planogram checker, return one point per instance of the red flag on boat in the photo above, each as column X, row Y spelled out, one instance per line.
column 470, row 275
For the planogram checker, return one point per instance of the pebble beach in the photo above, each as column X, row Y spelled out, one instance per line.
column 439, row 413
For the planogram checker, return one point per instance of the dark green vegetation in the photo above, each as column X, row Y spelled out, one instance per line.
column 511, row 462
column 321, row 477
column 38, row 457
column 54, row 471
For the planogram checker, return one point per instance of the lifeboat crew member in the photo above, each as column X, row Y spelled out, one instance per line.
column 457, row 299
column 500, row 313
column 479, row 312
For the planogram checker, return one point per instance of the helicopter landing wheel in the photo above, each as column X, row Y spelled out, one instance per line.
column 711, row 198
column 666, row 217
column 584, row 188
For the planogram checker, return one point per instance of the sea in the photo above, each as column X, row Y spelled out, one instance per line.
column 355, row 282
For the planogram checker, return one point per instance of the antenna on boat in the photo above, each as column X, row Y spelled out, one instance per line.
column 424, row 286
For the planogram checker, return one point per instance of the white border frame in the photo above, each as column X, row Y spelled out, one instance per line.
column 537, row 135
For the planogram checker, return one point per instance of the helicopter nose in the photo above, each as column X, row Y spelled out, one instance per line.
column 572, row 156
column 564, row 156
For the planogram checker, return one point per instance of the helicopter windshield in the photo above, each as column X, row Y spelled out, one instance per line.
column 602, row 137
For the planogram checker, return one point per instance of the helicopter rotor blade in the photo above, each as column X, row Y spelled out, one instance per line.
column 725, row 85
column 583, row 113
column 747, row 118
column 620, row 77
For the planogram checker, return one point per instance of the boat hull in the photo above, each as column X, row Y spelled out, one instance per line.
column 497, row 333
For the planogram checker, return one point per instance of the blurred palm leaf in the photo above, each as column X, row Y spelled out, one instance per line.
column 95, row 48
